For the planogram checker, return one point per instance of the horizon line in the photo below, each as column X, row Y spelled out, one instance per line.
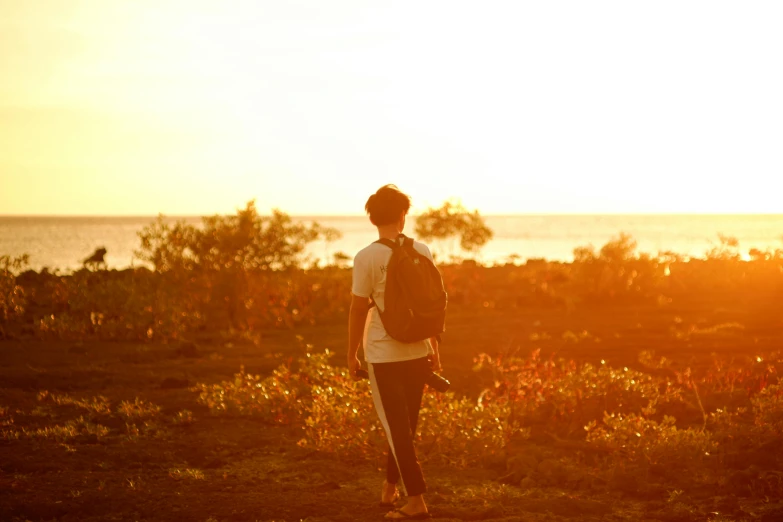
column 503, row 214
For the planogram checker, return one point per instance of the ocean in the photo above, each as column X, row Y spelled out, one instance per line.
column 63, row 242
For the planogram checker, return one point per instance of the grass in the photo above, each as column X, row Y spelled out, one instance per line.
column 186, row 473
column 97, row 405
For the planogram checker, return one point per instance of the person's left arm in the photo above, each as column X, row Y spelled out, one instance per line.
column 435, row 355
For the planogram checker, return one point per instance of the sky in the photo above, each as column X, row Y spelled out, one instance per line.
column 191, row 107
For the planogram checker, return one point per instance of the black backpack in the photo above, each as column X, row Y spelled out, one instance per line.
column 415, row 299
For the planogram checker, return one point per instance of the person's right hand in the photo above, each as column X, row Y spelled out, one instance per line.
column 435, row 361
column 354, row 364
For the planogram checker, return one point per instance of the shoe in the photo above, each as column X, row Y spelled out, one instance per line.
column 402, row 515
column 394, row 499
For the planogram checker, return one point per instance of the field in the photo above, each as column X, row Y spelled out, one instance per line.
column 209, row 385
column 114, row 431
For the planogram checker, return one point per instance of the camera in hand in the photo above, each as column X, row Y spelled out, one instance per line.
column 437, row 383
column 434, row 381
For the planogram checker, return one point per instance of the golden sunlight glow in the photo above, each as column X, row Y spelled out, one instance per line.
column 189, row 107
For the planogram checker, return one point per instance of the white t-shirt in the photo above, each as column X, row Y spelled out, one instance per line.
column 369, row 280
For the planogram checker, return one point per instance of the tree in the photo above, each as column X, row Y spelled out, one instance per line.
column 245, row 241
column 453, row 220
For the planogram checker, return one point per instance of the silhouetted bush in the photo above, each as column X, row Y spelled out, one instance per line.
column 234, row 273
column 225, row 265
column 12, row 295
column 616, row 273
column 244, row 273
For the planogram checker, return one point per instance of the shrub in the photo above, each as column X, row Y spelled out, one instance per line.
column 12, row 295
column 109, row 306
column 272, row 398
column 617, row 273
column 233, row 274
column 236, row 275
column 228, row 244
column 615, row 411
column 337, row 413
column 637, row 440
column 282, row 398
column 224, row 267
column 564, row 396
column 341, row 418
column 768, row 411
column 464, row 431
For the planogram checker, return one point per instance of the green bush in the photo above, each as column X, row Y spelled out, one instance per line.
column 337, row 414
column 617, row 412
column 756, row 426
column 462, row 431
column 12, row 295
column 564, row 396
column 768, row 411
column 637, row 440
column 341, row 418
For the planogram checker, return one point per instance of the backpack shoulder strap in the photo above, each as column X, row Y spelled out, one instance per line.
column 395, row 243
column 388, row 242
column 391, row 244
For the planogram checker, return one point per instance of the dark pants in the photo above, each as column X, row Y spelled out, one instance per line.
column 397, row 388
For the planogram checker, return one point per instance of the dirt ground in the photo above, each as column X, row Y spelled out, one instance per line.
column 181, row 463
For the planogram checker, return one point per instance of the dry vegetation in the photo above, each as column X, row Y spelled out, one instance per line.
column 210, row 386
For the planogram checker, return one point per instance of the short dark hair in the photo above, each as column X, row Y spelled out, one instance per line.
column 386, row 205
